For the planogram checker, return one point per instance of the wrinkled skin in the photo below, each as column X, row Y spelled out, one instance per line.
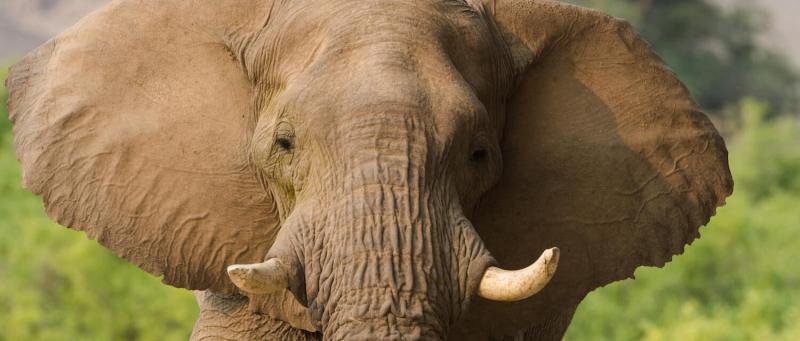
column 363, row 144
column 378, row 162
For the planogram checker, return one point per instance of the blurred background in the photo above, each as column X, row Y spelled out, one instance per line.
column 741, row 60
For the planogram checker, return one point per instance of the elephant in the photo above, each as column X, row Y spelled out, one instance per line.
column 366, row 170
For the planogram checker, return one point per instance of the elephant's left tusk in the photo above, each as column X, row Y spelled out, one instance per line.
column 260, row 278
column 508, row 286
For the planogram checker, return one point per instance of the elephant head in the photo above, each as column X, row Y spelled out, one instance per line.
column 377, row 159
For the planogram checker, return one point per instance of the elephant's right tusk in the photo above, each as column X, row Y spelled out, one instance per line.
column 508, row 286
column 260, row 278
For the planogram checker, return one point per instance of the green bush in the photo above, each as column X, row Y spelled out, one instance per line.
column 5, row 125
column 739, row 281
column 57, row 285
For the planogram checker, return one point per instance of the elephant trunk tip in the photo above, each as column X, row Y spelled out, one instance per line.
column 509, row 286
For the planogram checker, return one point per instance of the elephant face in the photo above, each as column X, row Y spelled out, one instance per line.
column 373, row 142
column 366, row 156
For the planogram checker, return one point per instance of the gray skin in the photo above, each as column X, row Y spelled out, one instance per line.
column 379, row 149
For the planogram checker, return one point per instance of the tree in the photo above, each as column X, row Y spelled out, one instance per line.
column 714, row 50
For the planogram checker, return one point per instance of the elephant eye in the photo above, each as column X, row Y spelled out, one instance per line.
column 479, row 155
column 284, row 143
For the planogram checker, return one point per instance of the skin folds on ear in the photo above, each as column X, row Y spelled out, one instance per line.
column 606, row 156
column 133, row 126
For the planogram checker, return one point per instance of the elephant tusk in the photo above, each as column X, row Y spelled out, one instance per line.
column 508, row 286
column 260, row 278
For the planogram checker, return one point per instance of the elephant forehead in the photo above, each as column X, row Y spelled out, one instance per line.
column 301, row 35
column 333, row 65
column 345, row 106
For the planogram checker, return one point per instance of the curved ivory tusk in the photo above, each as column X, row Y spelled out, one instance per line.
column 508, row 286
column 260, row 278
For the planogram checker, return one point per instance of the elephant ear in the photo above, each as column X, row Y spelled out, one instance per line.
column 606, row 156
column 133, row 126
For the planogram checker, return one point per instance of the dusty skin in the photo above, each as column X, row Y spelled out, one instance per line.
column 385, row 157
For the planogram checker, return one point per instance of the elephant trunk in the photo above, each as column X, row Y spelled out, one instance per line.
column 403, row 265
column 394, row 265
column 387, row 260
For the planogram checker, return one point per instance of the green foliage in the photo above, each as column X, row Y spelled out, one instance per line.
column 5, row 126
column 713, row 50
column 57, row 285
column 739, row 281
